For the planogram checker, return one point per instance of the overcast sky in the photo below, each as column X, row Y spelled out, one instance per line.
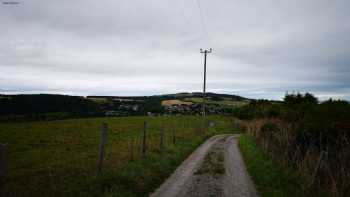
column 261, row 48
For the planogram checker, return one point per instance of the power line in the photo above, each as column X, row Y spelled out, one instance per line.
column 202, row 19
column 185, row 16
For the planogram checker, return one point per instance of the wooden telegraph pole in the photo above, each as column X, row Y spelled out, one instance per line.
column 204, row 81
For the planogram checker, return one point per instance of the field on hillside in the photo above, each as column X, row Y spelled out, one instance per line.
column 99, row 100
column 59, row 158
column 175, row 102
column 224, row 101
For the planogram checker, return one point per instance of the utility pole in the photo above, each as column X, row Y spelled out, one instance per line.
column 205, row 79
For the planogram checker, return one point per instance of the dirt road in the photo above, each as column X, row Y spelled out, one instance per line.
column 216, row 168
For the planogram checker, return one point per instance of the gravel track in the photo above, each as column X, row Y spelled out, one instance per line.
column 237, row 180
column 204, row 173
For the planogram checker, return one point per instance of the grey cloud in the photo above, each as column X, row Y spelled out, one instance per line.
column 261, row 48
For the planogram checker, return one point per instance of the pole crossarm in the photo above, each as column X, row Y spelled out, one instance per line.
column 206, row 50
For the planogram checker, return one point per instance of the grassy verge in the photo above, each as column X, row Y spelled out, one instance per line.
column 269, row 178
column 59, row 158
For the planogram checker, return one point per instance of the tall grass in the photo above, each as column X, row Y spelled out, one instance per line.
column 323, row 161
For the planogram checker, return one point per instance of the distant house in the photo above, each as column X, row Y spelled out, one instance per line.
column 123, row 100
column 151, row 114
column 135, row 107
column 111, row 113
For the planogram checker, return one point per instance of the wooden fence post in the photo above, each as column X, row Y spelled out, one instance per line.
column 131, row 149
column 144, row 139
column 174, row 137
column 161, row 144
column 104, row 130
column 3, row 164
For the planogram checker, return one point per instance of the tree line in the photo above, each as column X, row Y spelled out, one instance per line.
column 34, row 106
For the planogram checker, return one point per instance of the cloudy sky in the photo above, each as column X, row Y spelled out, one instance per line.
column 261, row 48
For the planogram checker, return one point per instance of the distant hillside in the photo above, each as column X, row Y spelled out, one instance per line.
column 208, row 94
column 179, row 103
column 50, row 106
column 181, row 95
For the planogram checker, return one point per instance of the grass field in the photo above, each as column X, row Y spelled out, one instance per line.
column 175, row 102
column 225, row 101
column 270, row 179
column 59, row 158
column 99, row 100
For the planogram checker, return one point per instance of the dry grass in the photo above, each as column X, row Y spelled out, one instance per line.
column 327, row 169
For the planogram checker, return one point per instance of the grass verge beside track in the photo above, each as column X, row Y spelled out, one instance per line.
column 271, row 180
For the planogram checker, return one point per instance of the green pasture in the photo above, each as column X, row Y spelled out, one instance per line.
column 59, row 158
